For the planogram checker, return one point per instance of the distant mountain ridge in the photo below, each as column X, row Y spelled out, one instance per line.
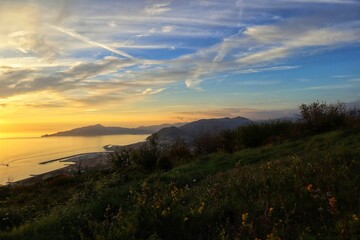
column 191, row 130
column 98, row 130
column 167, row 132
column 155, row 128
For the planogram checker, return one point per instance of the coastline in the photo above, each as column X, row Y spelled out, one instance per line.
column 76, row 164
column 67, row 158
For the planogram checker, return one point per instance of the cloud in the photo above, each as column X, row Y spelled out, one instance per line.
column 64, row 12
column 251, row 113
column 32, row 42
column 281, row 42
column 210, row 38
column 328, row 1
column 157, row 9
column 22, row 30
column 89, row 41
column 167, row 29
column 21, row 81
column 91, row 110
column 150, row 91
column 330, row 87
column 265, row 56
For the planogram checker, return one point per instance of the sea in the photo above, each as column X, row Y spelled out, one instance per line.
column 20, row 157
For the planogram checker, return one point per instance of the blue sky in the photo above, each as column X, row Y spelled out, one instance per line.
column 139, row 62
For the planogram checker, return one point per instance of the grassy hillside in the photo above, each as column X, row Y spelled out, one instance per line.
column 307, row 188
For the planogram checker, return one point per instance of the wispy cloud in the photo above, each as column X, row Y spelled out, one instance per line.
column 89, row 41
column 150, row 91
column 167, row 29
column 251, row 113
column 157, row 8
column 62, row 48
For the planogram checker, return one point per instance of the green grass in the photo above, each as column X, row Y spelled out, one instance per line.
column 306, row 189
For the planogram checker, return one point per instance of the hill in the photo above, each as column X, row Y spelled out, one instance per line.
column 268, row 180
column 98, row 130
column 155, row 128
column 194, row 129
column 302, row 189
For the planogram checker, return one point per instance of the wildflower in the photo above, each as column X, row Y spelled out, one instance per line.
column 310, row 188
column 332, row 204
column 201, row 208
column 270, row 210
column 186, row 219
column 355, row 218
column 244, row 218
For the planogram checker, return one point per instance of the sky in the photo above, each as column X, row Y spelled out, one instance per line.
column 71, row 63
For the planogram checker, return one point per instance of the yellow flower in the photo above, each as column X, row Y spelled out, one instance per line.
column 310, row 188
column 355, row 218
column 244, row 217
column 270, row 210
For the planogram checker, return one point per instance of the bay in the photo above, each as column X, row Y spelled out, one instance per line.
column 20, row 157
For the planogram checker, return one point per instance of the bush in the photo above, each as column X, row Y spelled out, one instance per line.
column 206, row 143
column 179, row 150
column 228, row 140
column 122, row 158
column 164, row 163
column 320, row 117
column 146, row 157
column 148, row 153
column 269, row 132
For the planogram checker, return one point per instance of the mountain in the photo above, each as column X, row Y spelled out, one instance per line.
column 191, row 130
column 167, row 132
column 98, row 130
column 155, row 128
column 171, row 133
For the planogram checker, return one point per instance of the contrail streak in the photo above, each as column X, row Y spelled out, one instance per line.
column 89, row 41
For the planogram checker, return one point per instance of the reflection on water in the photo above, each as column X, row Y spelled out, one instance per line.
column 20, row 157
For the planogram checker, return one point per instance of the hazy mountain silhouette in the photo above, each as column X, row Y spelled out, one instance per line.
column 191, row 130
column 155, row 128
column 98, row 130
column 167, row 132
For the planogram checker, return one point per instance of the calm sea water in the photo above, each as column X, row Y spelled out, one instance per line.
column 20, row 157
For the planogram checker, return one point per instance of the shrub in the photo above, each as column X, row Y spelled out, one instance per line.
column 146, row 157
column 228, row 140
column 122, row 158
column 206, row 143
column 320, row 117
column 269, row 132
column 179, row 150
column 148, row 153
column 164, row 163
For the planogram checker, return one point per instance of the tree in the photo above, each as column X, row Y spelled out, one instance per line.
column 320, row 117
